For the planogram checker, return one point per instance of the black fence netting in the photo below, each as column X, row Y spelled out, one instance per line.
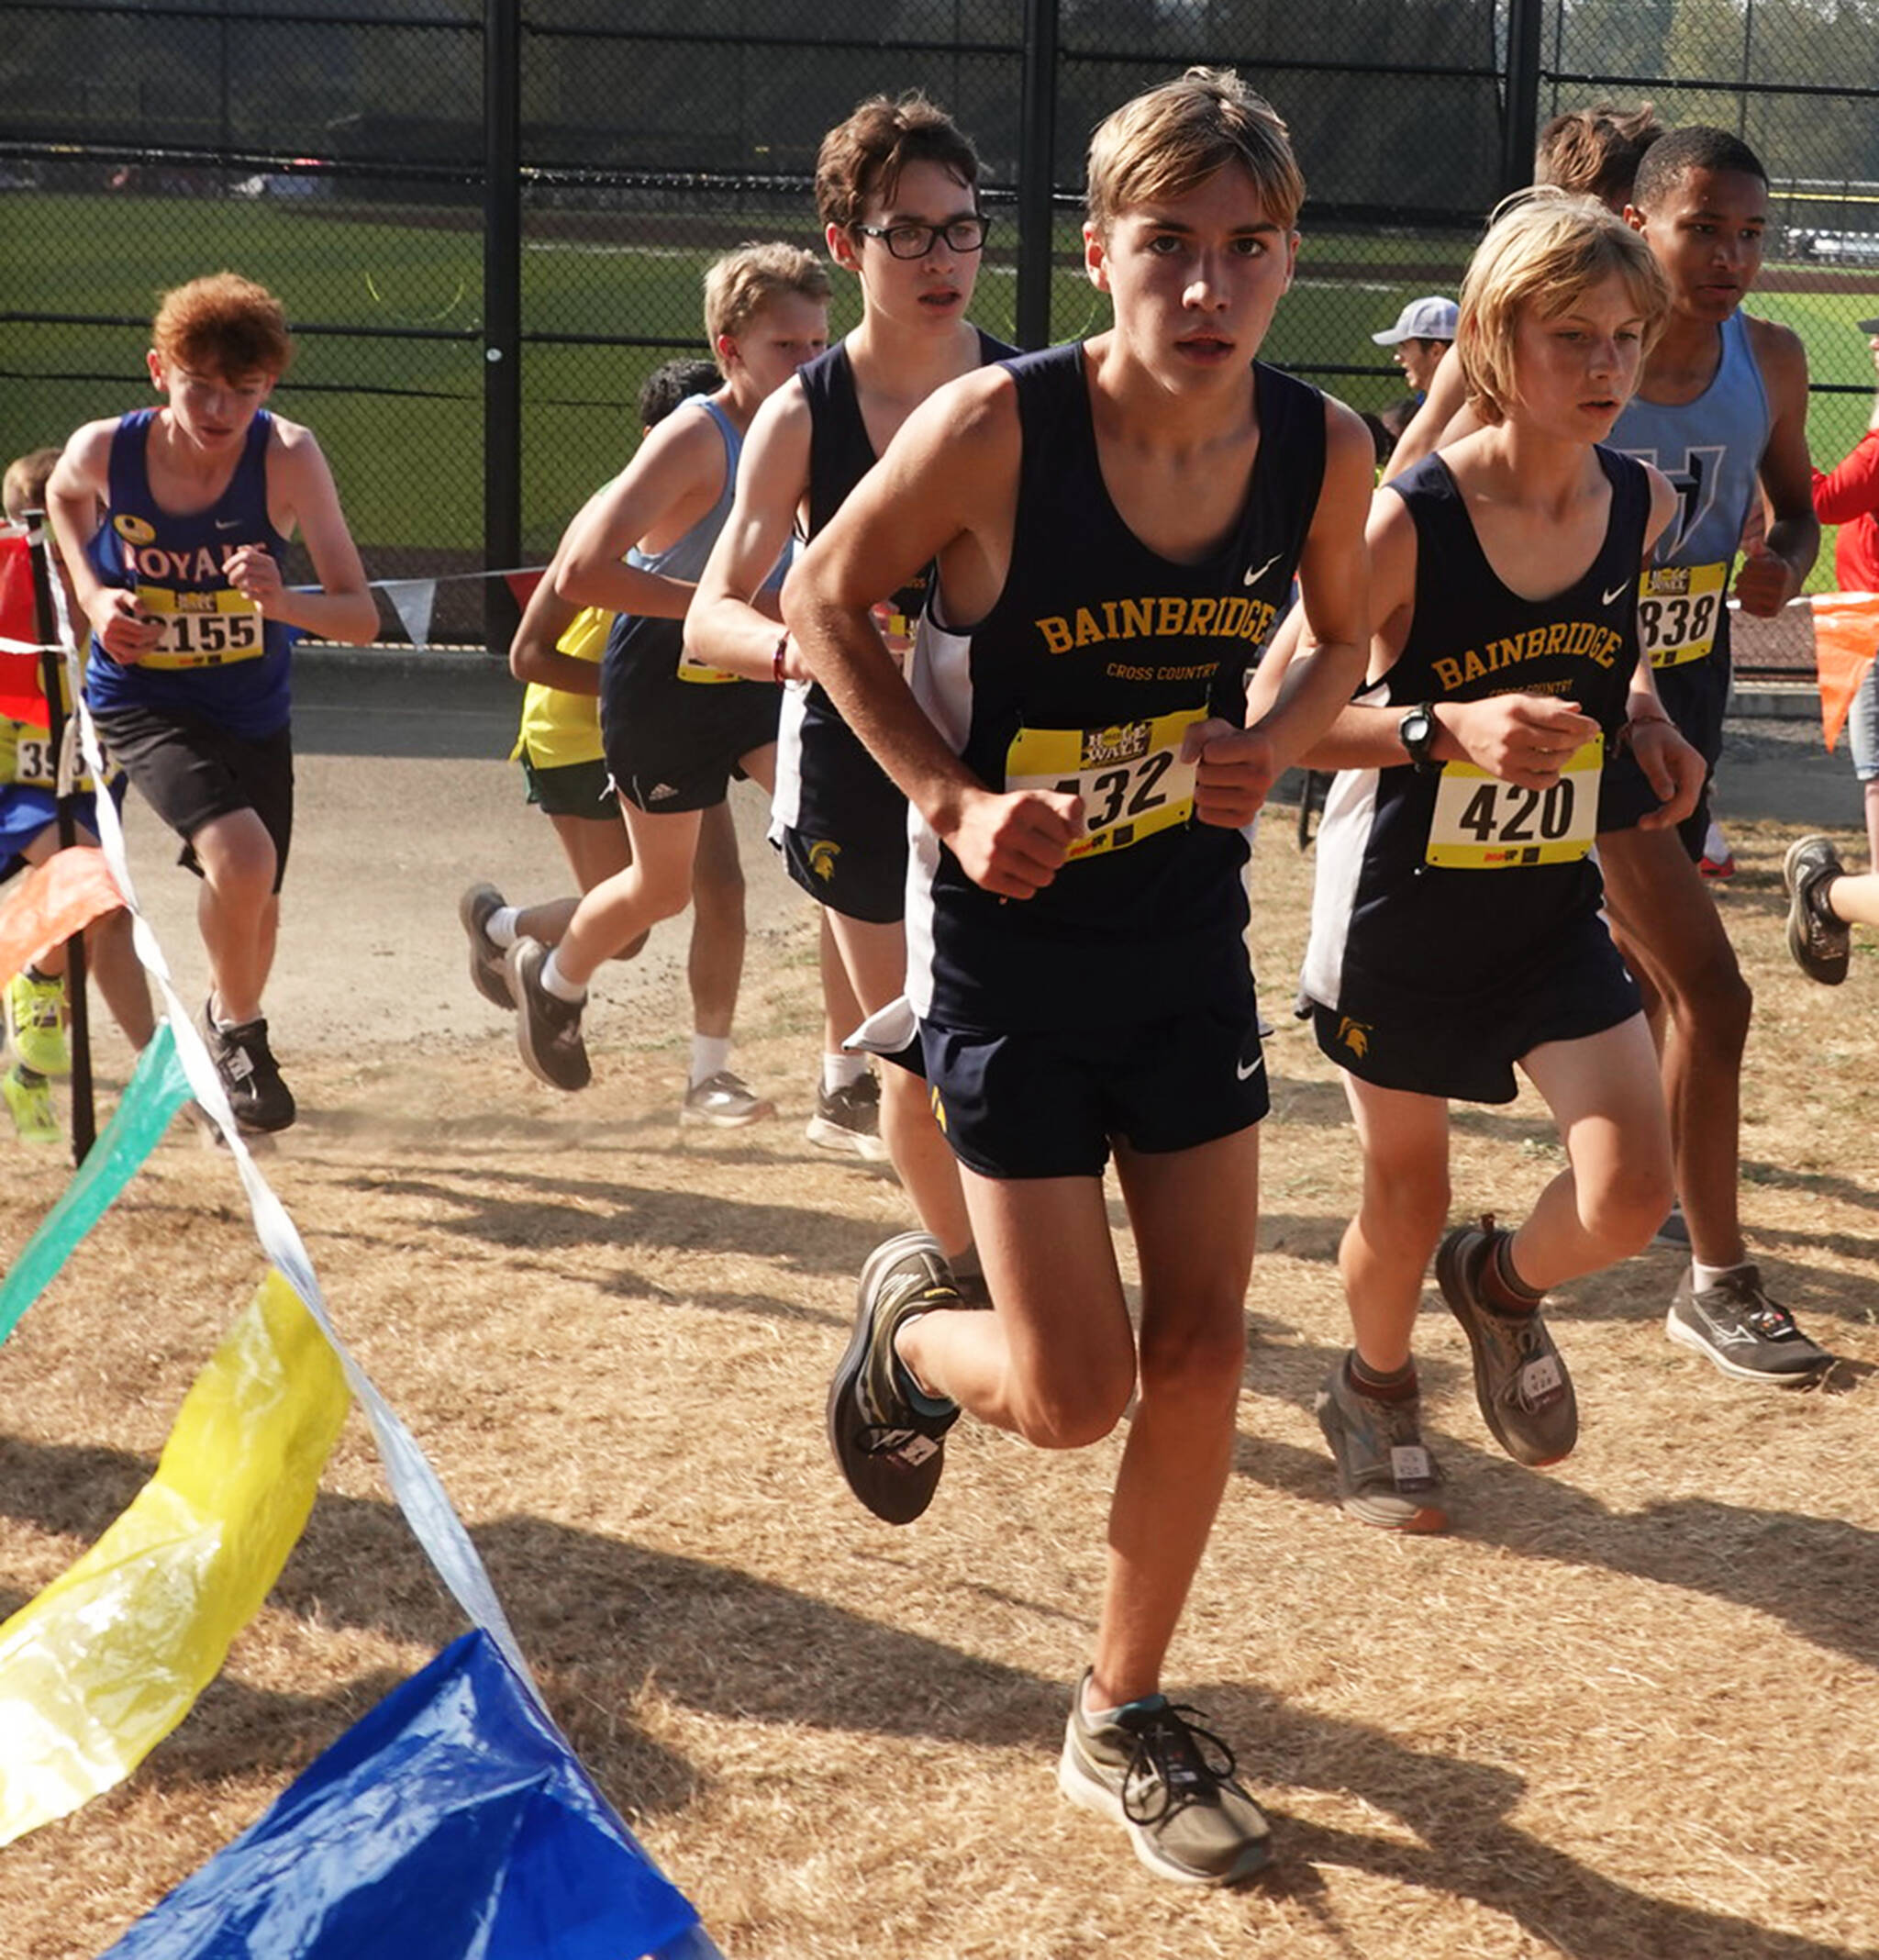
column 488, row 222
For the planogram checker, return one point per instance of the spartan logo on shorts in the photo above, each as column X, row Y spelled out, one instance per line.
column 1355, row 1035
column 1126, row 743
column 822, row 857
column 939, row 1107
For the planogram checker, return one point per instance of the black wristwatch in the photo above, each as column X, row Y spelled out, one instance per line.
column 1416, row 733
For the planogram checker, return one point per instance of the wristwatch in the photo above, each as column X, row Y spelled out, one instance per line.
column 1416, row 733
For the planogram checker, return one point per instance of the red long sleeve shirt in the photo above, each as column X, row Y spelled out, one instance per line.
column 1849, row 497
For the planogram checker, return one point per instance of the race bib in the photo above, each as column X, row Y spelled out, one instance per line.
column 1679, row 609
column 28, row 758
column 1482, row 823
column 202, row 629
column 690, row 668
column 1130, row 776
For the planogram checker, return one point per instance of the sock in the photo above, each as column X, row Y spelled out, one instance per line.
column 710, row 1056
column 842, row 1072
column 30, row 972
column 1394, row 1385
column 500, row 927
column 1703, row 1277
column 555, row 982
column 905, row 1379
column 1502, row 1288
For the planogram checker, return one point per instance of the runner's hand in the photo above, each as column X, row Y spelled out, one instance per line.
column 1234, row 772
column 1672, row 768
column 1521, row 738
column 254, row 572
column 1012, row 844
column 1765, row 582
column 125, row 632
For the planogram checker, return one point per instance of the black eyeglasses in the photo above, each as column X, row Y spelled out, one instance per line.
column 915, row 242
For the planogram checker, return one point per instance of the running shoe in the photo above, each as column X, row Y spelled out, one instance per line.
column 29, row 1098
column 1521, row 1381
column 1820, row 942
column 1722, row 867
column 848, row 1119
column 547, row 1029
column 1675, row 1232
column 1748, row 1336
column 249, row 1074
column 36, row 1024
column 890, row 1451
column 1170, row 1783
column 485, row 957
column 724, row 1102
column 1386, row 1476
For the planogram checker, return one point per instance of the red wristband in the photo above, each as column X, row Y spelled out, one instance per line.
column 776, row 659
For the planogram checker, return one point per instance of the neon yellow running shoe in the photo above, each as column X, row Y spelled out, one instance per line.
column 29, row 1098
column 36, row 1024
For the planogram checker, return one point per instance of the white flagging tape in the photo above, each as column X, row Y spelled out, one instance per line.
column 416, row 1486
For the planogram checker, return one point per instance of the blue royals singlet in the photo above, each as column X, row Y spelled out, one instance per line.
column 1098, row 656
column 219, row 659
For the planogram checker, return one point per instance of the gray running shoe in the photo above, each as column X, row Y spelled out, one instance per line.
column 485, row 957
column 1819, row 940
column 1748, row 1336
column 1521, row 1381
column 547, row 1029
column 891, row 1452
column 849, row 1120
column 1170, row 1784
column 724, row 1102
column 1386, row 1474
column 249, row 1074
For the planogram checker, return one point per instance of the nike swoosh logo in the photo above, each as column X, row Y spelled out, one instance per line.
column 1252, row 578
column 1617, row 593
column 227, row 523
column 1245, row 1070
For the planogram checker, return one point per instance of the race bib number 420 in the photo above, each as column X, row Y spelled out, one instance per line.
column 1130, row 776
column 1484, row 824
column 1679, row 607
column 202, row 629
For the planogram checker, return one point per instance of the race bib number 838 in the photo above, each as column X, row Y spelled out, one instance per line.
column 1482, row 823
column 1678, row 609
column 1130, row 776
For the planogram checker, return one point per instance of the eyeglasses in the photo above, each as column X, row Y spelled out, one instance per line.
column 915, row 242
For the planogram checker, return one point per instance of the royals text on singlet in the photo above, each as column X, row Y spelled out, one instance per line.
column 220, row 659
column 1095, row 659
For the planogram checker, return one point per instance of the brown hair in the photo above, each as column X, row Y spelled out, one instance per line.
column 1545, row 248
column 223, row 324
column 24, row 488
column 742, row 284
column 1165, row 143
column 1597, row 150
column 863, row 157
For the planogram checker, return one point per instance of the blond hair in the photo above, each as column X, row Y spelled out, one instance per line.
column 223, row 324
column 742, row 284
column 1172, row 139
column 1545, row 248
column 24, row 488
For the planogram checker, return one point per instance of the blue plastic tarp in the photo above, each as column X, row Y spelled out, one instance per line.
column 453, row 1822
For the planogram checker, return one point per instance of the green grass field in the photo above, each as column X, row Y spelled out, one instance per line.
column 401, row 415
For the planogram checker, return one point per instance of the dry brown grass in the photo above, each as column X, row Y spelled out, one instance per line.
column 1627, row 1708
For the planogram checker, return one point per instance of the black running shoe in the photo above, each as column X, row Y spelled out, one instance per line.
column 891, row 1452
column 1521, row 1380
column 547, row 1029
column 1170, row 1784
column 849, row 1120
column 1819, row 939
column 249, row 1074
column 485, row 957
column 1748, row 1336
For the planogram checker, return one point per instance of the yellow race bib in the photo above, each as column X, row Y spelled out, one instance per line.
column 1679, row 611
column 1482, row 823
column 202, row 629
column 1130, row 776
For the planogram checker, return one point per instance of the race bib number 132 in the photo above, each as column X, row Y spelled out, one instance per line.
column 1484, row 824
column 1130, row 776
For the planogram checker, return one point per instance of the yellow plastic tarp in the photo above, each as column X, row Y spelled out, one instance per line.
column 110, row 1658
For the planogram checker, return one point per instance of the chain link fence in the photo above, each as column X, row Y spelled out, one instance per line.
column 489, row 221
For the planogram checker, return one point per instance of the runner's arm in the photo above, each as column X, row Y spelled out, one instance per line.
column 302, row 495
column 534, row 652
column 1443, row 416
column 1672, row 767
column 734, row 623
column 1773, row 575
column 76, row 494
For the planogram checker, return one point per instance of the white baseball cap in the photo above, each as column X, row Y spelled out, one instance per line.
column 1433, row 319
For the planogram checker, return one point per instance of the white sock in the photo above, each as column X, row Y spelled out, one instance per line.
column 1703, row 1277
column 555, row 982
column 710, row 1056
column 842, row 1072
column 501, row 927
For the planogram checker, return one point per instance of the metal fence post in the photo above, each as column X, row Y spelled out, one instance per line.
column 1037, row 171
column 1520, row 112
column 501, row 313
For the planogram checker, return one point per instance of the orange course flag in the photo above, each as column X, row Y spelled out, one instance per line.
column 1846, row 636
column 53, row 902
